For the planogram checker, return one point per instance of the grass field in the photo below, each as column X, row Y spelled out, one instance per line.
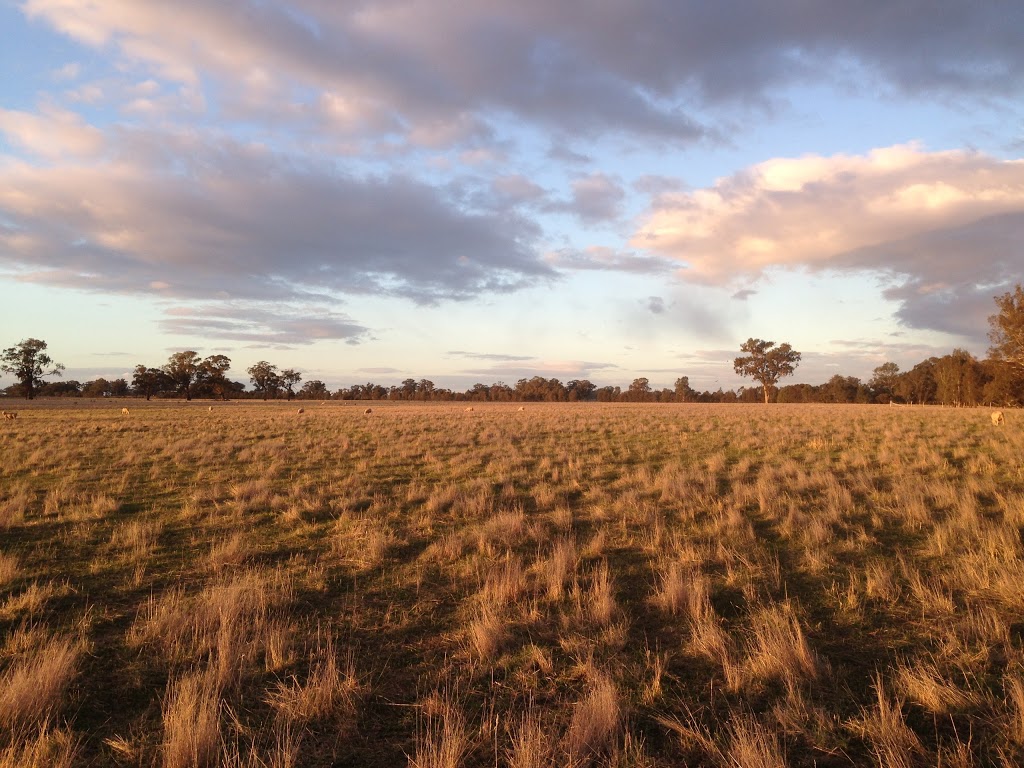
column 568, row 585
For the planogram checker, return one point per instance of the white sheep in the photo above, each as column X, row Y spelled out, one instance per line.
column 125, row 412
column 521, row 408
column 469, row 409
column 9, row 415
column 210, row 408
column 301, row 410
column 368, row 410
column 997, row 418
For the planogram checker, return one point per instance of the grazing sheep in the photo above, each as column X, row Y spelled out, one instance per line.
column 368, row 410
column 521, row 408
column 469, row 409
column 301, row 410
column 210, row 408
column 997, row 418
column 322, row 402
column 9, row 415
column 125, row 412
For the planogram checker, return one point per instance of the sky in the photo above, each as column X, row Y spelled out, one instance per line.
column 374, row 190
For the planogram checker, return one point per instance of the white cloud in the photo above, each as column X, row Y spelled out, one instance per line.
column 51, row 133
column 945, row 226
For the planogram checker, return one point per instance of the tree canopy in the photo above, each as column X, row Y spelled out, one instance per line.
column 29, row 363
column 766, row 363
column 1007, row 328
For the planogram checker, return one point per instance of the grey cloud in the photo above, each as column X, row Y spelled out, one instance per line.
column 607, row 259
column 563, row 370
column 743, row 294
column 595, row 199
column 946, row 278
column 230, row 222
column 490, row 356
column 582, row 69
column 282, row 326
column 656, row 305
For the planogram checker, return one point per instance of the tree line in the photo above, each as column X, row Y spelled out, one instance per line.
column 956, row 379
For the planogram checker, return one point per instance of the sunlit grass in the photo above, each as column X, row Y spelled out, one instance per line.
column 572, row 585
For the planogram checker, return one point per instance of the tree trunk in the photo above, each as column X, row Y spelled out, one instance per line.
column 765, row 394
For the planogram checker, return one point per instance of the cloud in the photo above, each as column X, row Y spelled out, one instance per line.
column 282, row 326
column 743, row 294
column 607, row 259
column 490, row 356
column 188, row 218
column 440, row 70
column 595, row 198
column 943, row 227
column 656, row 305
column 51, row 133
column 564, row 370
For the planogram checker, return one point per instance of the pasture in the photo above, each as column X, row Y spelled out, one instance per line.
column 558, row 585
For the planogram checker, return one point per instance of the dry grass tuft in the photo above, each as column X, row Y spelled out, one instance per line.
column 191, row 712
column 530, row 746
column 924, row 684
column 8, row 568
column 442, row 734
column 892, row 742
column 32, row 689
column 778, row 648
column 486, row 634
column 596, row 724
column 753, row 745
column 328, row 690
column 47, row 748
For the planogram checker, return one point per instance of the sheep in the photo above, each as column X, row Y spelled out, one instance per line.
column 997, row 418
column 301, row 411
column 210, row 408
column 125, row 412
column 469, row 409
column 9, row 415
column 521, row 408
column 368, row 410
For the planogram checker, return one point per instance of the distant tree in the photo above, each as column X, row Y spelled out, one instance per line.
column 1004, row 384
column 883, row 382
column 683, row 392
column 69, row 388
column 580, row 389
column 182, row 368
column 289, row 378
column 639, row 390
column 407, row 391
column 841, row 389
column 1007, row 328
column 211, row 377
column 119, row 388
column 959, row 379
column 96, row 388
column 29, row 363
column 314, row 389
column 149, row 381
column 766, row 363
column 425, row 390
column 265, row 379
column 918, row 384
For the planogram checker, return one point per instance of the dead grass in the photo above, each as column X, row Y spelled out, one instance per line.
column 191, row 722
column 32, row 690
column 743, row 586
